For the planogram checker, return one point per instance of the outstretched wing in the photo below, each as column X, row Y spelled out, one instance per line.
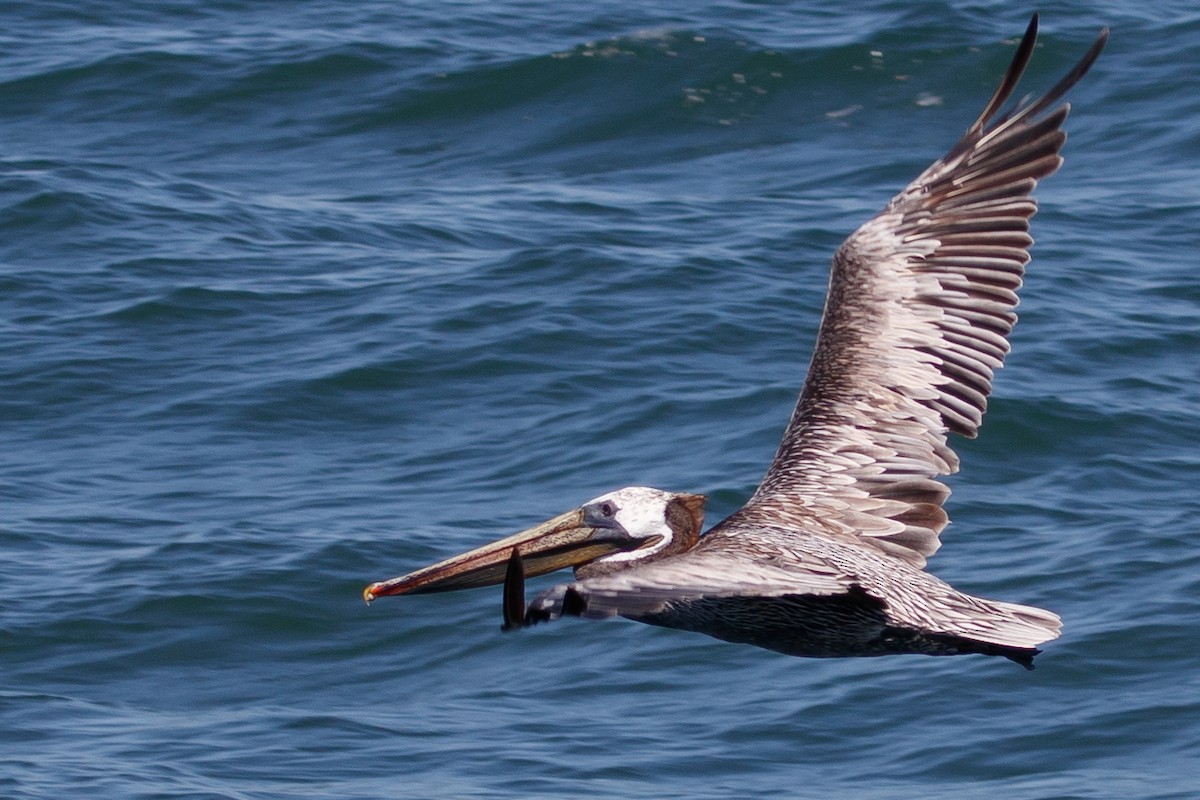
column 920, row 303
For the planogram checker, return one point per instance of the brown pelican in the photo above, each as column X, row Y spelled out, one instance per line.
column 827, row 556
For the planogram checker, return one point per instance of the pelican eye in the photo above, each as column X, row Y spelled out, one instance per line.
column 602, row 514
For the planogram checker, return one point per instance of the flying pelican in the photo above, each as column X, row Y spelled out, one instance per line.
column 826, row 558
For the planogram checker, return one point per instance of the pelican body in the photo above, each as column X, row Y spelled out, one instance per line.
column 827, row 557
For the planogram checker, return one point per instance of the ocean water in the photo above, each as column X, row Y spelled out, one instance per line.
column 297, row 296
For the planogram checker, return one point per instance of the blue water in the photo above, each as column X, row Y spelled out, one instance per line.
column 296, row 296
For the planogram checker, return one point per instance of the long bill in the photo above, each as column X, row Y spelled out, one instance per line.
column 565, row 541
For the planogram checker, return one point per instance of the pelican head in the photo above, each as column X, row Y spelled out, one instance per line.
column 615, row 530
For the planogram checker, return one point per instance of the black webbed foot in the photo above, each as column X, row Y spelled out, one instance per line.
column 554, row 603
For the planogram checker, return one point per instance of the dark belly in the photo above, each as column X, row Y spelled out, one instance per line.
column 851, row 624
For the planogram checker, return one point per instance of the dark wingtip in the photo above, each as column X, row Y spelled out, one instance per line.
column 1072, row 77
column 987, row 121
column 1021, row 655
column 1016, row 68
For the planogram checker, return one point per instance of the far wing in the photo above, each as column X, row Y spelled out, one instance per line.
column 759, row 569
column 920, row 303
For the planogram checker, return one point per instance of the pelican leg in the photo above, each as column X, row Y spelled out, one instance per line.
column 514, row 593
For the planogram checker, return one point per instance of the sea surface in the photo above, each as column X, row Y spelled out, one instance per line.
column 295, row 296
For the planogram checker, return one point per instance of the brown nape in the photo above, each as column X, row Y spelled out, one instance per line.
column 685, row 517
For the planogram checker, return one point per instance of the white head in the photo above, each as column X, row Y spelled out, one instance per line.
column 669, row 522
